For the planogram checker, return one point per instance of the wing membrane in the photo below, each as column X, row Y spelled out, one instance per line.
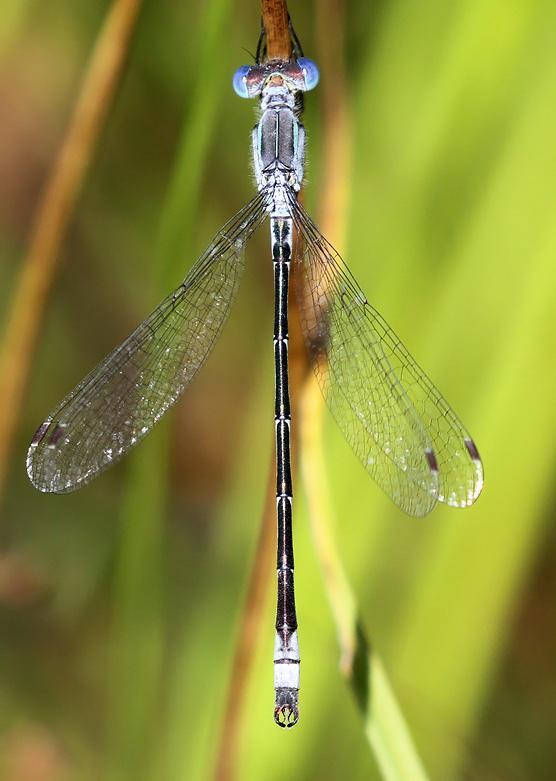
column 120, row 401
column 398, row 424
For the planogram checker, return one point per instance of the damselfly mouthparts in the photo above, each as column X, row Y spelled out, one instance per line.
column 398, row 424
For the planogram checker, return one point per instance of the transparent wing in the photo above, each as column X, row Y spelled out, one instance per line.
column 119, row 402
column 398, row 424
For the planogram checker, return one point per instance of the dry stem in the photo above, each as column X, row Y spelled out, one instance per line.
column 54, row 213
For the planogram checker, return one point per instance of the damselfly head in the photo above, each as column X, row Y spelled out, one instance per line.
column 298, row 76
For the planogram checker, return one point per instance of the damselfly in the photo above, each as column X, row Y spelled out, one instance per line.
column 396, row 421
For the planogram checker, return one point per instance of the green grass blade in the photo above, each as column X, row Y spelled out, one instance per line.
column 383, row 720
column 140, row 578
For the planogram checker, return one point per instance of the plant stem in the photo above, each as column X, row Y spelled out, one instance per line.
column 276, row 26
column 54, row 213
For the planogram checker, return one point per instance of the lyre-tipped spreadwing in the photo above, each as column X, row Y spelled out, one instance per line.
column 396, row 421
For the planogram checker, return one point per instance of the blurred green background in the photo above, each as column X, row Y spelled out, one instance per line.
column 119, row 603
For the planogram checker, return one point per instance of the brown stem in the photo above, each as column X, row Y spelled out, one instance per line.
column 275, row 22
column 249, row 632
column 337, row 137
column 53, row 215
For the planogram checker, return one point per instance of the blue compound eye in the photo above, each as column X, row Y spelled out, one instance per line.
column 239, row 81
column 310, row 72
